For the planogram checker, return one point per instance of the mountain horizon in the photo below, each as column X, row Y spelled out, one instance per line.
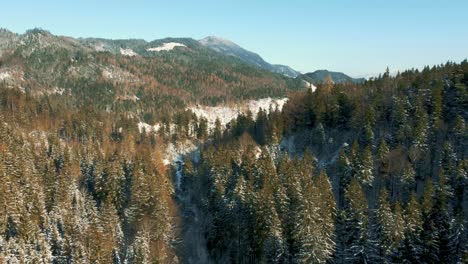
column 210, row 41
column 247, row 139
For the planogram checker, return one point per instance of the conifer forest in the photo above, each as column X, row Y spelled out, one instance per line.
column 172, row 152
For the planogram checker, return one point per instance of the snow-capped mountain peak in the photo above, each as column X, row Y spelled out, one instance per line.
column 230, row 48
column 213, row 40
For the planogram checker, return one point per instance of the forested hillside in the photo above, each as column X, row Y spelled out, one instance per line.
column 131, row 75
column 351, row 173
column 371, row 173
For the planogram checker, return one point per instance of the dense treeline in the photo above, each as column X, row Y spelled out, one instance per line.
column 73, row 189
column 156, row 84
column 351, row 173
column 371, row 173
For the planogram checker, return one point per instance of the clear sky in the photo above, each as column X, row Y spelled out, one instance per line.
column 357, row 37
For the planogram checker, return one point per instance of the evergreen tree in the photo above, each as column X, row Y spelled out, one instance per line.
column 411, row 249
column 365, row 173
column 141, row 249
column 385, row 226
column 358, row 247
column 344, row 174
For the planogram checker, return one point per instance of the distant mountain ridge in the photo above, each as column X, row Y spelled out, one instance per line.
column 230, row 48
column 337, row 77
column 133, row 74
column 39, row 38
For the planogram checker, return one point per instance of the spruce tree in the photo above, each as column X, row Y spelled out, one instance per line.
column 358, row 247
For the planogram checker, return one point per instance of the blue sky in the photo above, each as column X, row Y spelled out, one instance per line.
column 357, row 37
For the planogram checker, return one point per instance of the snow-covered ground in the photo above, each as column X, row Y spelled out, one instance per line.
column 13, row 78
column 148, row 128
column 4, row 75
column 227, row 113
column 211, row 113
column 310, row 85
column 175, row 152
column 117, row 74
column 128, row 52
column 55, row 90
column 11, row 75
column 265, row 104
column 167, row 46
column 99, row 46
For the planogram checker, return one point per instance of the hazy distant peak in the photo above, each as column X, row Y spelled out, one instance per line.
column 213, row 40
column 230, row 48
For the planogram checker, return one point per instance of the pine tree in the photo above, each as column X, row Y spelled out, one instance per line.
column 385, row 222
column 420, row 131
column 429, row 236
column 400, row 119
column 440, row 219
column 202, row 129
column 411, row 247
column 141, row 249
column 344, row 174
column 437, row 106
column 369, row 122
column 358, row 247
column 458, row 241
column 112, row 232
column 314, row 233
column 217, row 131
column 365, row 174
column 318, row 137
column 398, row 226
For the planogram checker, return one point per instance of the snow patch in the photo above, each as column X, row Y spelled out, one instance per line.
column 211, row 113
column 266, row 103
column 175, row 153
column 55, row 90
column 128, row 52
column 5, row 75
column 148, row 128
column 127, row 97
column 100, row 46
column 226, row 114
column 310, row 85
column 217, row 41
column 107, row 74
column 118, row 75
column 166, row 46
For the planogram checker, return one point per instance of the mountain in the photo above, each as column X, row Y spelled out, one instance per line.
column 230, row 48
column 108, row 155
column 337, row 77
column 132, row 75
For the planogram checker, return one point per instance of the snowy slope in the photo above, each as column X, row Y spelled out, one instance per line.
column 310, row 85
column 128, row 52
column 227, row 113
column 167, row 47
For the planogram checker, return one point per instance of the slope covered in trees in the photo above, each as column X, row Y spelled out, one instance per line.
column 371, row 173
column 351, row 173
column 151, row 83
